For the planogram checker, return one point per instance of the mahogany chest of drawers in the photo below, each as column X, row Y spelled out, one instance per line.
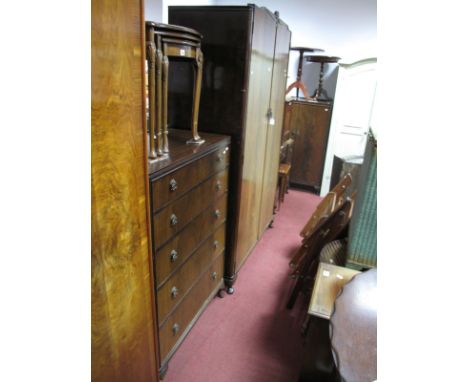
column 188, row 206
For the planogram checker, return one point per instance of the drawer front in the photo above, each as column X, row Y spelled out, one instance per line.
column 169, row 221
column 177, row 250
column 175, row 184
column 180, row 319
column 175, row 289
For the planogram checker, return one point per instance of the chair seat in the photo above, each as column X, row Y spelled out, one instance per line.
column 284, row 169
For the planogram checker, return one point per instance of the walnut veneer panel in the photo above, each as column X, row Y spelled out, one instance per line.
column 174, row 290
column 187, row 241
column 122, row 322
column 185, row 314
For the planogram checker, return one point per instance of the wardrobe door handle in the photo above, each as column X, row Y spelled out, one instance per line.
column 214, row 275
column 174, row 255
column 216, row 244
column 172, row 185
column 217, row 214
column 218, row 185
column 173, row 220
column 175, row 329
column 174, row 292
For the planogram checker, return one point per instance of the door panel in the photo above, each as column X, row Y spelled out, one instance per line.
column 272, row 152
column 261, row 66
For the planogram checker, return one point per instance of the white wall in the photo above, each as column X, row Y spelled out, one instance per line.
column 154, row 10
column 344, row 28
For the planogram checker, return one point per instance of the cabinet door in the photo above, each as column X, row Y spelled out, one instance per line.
column 273, row 143
column 311, row 122
column 258, row 101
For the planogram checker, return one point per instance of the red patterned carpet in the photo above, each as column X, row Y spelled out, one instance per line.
column 250, row 336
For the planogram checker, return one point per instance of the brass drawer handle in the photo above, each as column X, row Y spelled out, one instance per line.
column 216, row 244
column 173, row 220
column 218, row 185
column 172, row 185
column 175, row 329
column 174, row 255
column 174, row 292
column 214, row 275
column 217, row 214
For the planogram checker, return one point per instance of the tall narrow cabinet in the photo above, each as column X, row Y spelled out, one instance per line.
column 246, row 54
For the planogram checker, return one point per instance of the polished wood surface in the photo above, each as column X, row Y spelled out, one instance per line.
column 182, row 154
column 187, row 241
column 172, row 186
column 181, row 320
column 311, row 122
column 353, row 328
column 172, row 219
column 274, row 128
column 174, row 290
column 255, row 140
column 122, row 316
column 189, row 206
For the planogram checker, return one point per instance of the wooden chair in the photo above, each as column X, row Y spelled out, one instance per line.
column 327, row 206
column 306, row 260
column 283, row 174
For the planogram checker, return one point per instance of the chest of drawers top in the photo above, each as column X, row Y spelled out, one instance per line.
column 182, row 153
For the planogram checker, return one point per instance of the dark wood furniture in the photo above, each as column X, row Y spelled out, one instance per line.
column 189, row 208
column 298, row 84
column 123, row 344
column 165, row 42
column 310, row 123
column 322, row 60
column 318, row 363
column 246, row 54
column 353, row 328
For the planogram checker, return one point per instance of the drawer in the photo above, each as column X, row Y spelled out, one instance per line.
column 175, row 289
column 181, row 319
column 172, row 219
column 170, row 257
column 175, row 184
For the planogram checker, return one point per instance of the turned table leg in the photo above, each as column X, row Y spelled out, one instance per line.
column 196, row 97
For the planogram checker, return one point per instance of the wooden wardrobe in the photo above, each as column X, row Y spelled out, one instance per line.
column 246, row 54
column 123, row 316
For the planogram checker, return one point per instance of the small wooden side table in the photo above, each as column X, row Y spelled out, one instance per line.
column 322, row 60
column 162, row 42
column 298, row 84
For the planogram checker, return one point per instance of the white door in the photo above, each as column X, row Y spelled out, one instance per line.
column 352, row 112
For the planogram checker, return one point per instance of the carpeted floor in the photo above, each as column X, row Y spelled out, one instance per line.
column 250, row 336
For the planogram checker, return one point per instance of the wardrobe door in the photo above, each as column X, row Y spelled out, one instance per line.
column 274, row 126
column 261, row 66
column 123, row 344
